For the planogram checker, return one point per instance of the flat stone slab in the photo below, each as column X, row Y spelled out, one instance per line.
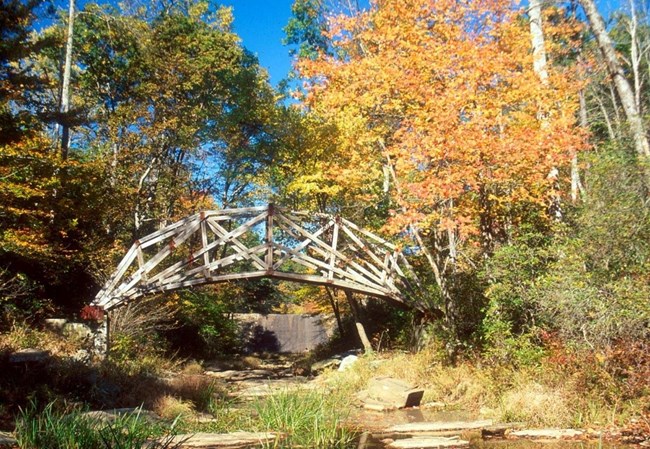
column 378, row 406
column 441, row 426
column 499, row 430
column 237, row 376
column 224, row 440
column 390, row 393
column 261, row 388
column 29, row 356
column 547, row 434
column 427, row 443
column 108, row 416
column 7, row 440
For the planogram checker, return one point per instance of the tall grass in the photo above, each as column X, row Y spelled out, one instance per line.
column 55, row 429
column 305, row 419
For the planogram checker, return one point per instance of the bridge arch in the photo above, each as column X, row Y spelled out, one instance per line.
column 257, row 242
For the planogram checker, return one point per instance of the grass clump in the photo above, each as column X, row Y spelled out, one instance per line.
column 55, row 430
column 52, row 428
column 305, row 419
column 170, row 408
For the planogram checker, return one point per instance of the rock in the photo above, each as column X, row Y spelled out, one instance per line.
column 324, row 364
column 347, row 362
column 427, row 442
column 546, row 434
column 224, row 440
column 498, row 430
column 82, row 356
column 29, row 355
column 106, row 416
column 434, row 405
column 77, row 330
column 238, row 376
column 55, row 324
column 441, row 426
column 392, row 393
column 7, row 440
column 378, row 406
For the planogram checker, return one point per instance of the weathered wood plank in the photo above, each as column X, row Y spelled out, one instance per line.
column 165, row 232
column 269, row 239
column 224, row 239
column 222, row 232
column 335, row 240
column 320, row 280
column 308, row 242
column 204, row 244
column 365, row 264
column 369, row 234
column 362, row 246
column 151, row 263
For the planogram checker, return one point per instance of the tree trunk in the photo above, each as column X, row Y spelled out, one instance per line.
column 540, row 66
column 65, row 87
column 623, row 88
column 537, row 39
column 576, row 184
column 356, row 313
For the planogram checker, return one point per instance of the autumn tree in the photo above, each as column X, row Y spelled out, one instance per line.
column 445, row 97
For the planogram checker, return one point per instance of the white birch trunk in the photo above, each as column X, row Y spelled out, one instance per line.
column 65, row 87
column 623, row 88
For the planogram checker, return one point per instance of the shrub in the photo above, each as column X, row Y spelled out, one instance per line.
column 170, row 407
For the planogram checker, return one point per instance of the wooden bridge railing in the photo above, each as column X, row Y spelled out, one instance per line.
column 256, row 242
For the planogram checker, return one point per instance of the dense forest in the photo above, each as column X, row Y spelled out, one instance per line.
column 505, row 146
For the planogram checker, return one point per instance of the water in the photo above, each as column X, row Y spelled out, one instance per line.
column 374, row 422
column 373, row 441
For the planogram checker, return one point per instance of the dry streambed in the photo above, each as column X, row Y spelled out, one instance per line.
column 388, row 427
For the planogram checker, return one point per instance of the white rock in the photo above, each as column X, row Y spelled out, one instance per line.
column 223, row 440
column 55, row 324
column 441, row 426
column 428, row 443
column 347, row 362
column 546, row 433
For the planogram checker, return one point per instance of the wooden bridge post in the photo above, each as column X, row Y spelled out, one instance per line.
column 356, row 313
column 269, row 239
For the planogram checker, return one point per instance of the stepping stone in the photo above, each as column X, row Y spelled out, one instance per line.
column 499, row 430
column 224, row 440
column 108, row 416
column 550, row 434
column 439, row 426
column 427, row 443
column 384, row 393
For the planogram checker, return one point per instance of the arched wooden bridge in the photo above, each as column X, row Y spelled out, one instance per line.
column 257, row 242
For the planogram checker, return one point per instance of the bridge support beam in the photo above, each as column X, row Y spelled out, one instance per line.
column 356, row 313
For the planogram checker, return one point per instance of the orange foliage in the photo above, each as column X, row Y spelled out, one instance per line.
column 447, row 88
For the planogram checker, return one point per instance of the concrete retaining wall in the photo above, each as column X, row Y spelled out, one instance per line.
column 282, row 333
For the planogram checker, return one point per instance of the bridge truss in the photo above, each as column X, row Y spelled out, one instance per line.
column 261, row 242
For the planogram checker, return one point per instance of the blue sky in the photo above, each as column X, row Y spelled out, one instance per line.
column 260, row 24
